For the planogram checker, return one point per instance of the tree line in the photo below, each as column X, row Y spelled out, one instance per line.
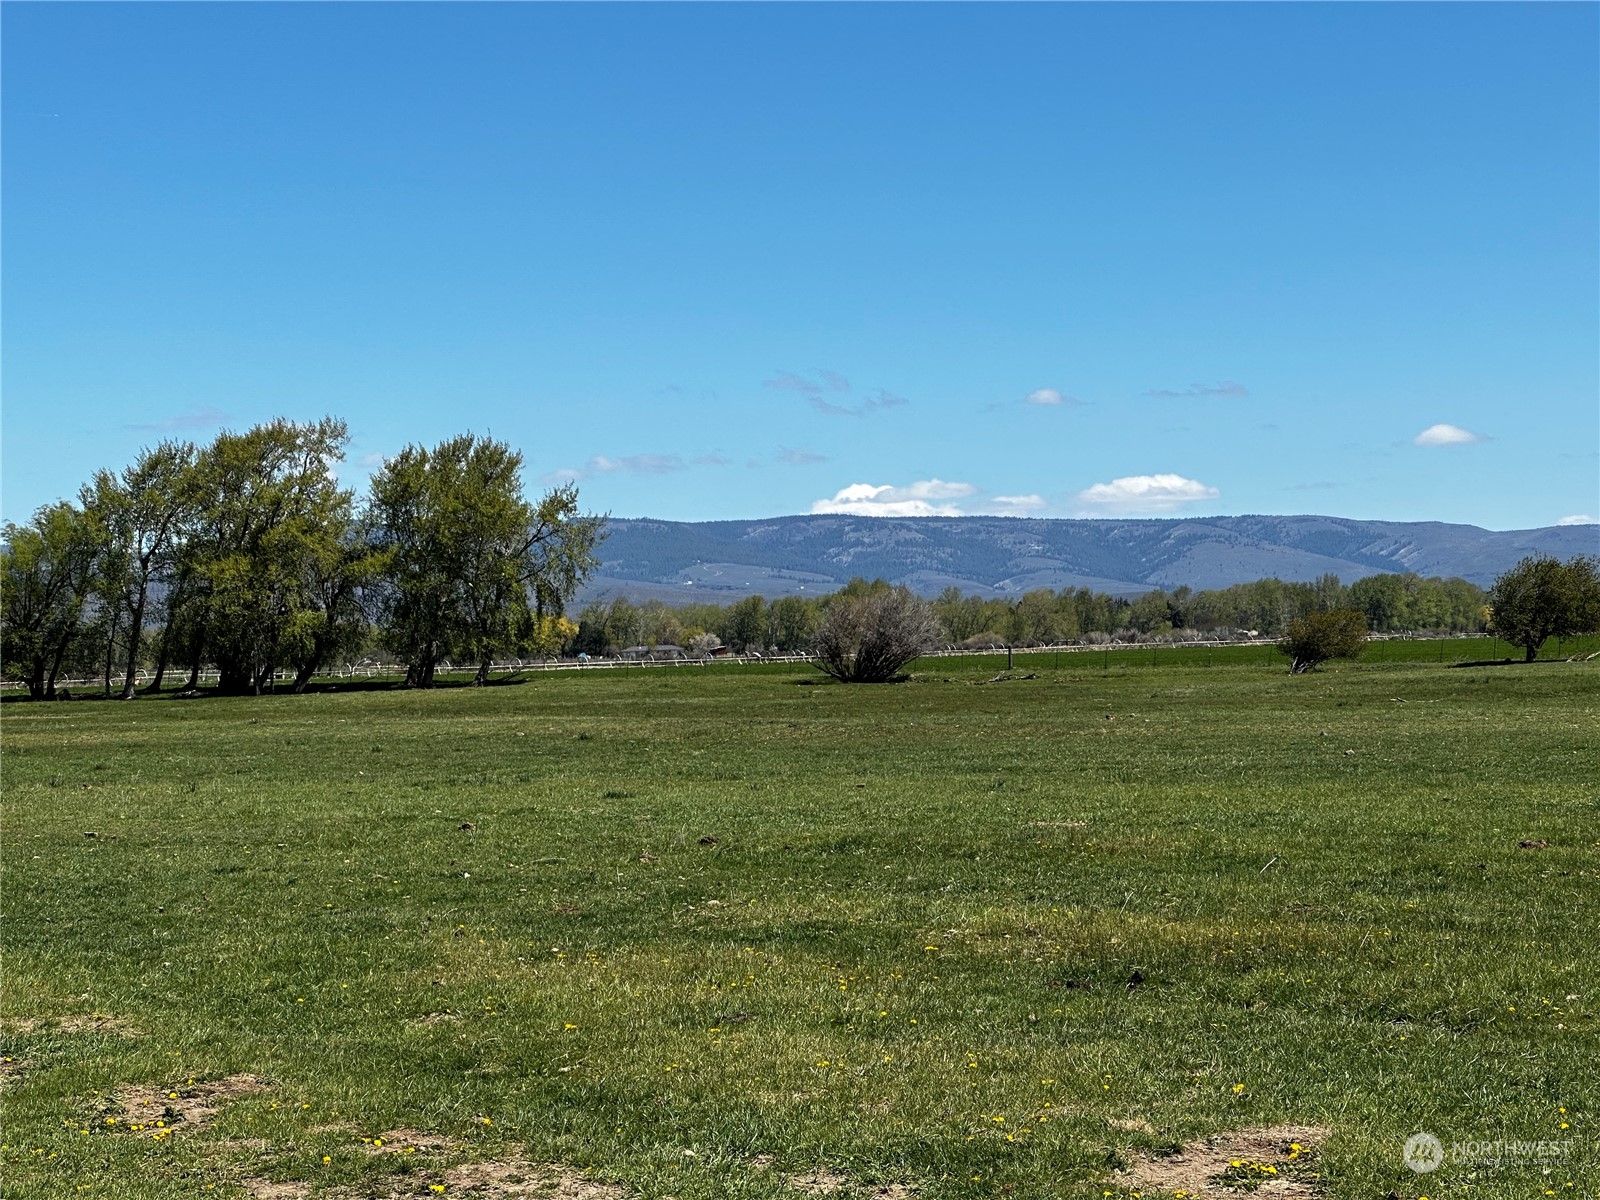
column 1390, row 603
column 246, row 554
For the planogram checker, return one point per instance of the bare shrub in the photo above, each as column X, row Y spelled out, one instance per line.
column 871, row 638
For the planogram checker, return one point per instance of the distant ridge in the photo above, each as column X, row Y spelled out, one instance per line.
column 680, row 561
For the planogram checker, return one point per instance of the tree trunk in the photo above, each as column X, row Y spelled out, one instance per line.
column 36, row 680
column 1533, row 651
column 55, row 669
column 111, row 649
column 133, row 647
column 162, row 654
column 482, row 677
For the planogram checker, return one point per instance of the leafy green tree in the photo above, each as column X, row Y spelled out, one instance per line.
column 473, row 568
column 660, row 624
column 338, row 576
column 792, row 622
column 624, row 625
column 1542, row 597
column 591, row 638
column 1316, row 637
column 747, row 624
column 268, row 509
column 48, row 577
column 143, row 510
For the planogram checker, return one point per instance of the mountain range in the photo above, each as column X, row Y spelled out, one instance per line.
column 719, row 561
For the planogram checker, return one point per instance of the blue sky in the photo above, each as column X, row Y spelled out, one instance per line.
column 739, row 261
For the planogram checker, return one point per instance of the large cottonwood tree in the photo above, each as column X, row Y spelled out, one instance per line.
column 473, row 569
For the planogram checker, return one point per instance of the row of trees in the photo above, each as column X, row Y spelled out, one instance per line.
column 1043, row 617
column 246, row 554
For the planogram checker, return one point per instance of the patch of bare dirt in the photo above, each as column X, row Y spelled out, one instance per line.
column 516, row 1178
column 1277, row 1161
column 823, row 1181
column 1131, row 1124
column 191, row 1106
column 11, row 1070
column 500, row 1179
column 268, row 1189
column 407, row 1141
column 435, row 1018
column 74, row 1023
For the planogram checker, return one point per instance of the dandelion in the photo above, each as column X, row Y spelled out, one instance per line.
column 326, row 1159
column 1237, row 1088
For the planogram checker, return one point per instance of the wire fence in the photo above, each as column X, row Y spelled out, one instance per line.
column 1383, row 647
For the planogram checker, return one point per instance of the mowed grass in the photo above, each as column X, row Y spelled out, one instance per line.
column 705, row 915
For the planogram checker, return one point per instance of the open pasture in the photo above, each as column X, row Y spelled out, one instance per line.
column 737, row 932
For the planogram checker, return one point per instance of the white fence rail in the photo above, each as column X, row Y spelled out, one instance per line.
column 375, row 670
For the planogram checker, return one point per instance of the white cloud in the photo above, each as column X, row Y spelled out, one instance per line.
column 1446, row 435
column 1048, row 396
column 924, row 498
column 1017, row 505
column 1146, row 494
column 1579, row 519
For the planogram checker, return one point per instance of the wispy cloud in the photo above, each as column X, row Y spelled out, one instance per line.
column 637, row 464
column 1226, row 388
column 1579, row 519
column 798, row 458
column 817, row 390
column 631, row 464
column 1017, row 505
column 826, row 381
column 199, row 418
column 872, row 403
column 1446, row 435
column 1146, row 494
column 1050, row 397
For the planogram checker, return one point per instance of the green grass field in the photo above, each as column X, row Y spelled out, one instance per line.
column 696, row 931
